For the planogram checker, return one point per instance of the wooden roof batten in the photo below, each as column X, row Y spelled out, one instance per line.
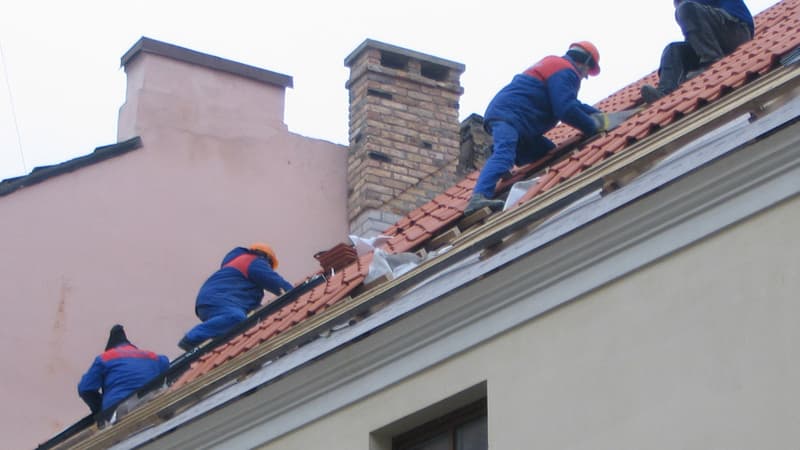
column 755, row 97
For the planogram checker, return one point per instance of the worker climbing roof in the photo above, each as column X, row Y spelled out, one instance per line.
column 234, row 290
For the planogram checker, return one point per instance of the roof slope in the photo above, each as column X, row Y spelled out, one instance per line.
column 776, row 33
column 39, row 174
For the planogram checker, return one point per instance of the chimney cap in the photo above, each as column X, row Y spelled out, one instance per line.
column 370, row 43
column 147, row 45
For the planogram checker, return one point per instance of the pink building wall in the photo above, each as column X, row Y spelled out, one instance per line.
column 130, row 239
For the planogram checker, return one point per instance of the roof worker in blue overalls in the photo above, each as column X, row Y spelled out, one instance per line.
column 118, row 372
column 234, row 290
column 528, row 107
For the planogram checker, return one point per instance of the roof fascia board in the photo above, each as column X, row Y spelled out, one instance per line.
column 666, row 210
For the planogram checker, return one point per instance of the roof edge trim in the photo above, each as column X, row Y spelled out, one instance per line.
column 40, row 174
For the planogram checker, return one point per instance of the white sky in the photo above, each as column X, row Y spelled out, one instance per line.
column 61, row 85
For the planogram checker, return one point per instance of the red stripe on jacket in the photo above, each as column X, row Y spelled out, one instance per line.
column 241, row 263
column 127, row 351
column 549, row 65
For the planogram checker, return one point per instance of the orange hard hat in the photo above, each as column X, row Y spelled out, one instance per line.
column 267, row 250
column 594, row 67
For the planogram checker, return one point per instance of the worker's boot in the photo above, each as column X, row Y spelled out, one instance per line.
column 479, row 201
column 651, row 94
column 185, row 345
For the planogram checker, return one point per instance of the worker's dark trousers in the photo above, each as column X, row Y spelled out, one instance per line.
column 504, row 151
column 508, row 149
column 216, row 321
column 710, row 33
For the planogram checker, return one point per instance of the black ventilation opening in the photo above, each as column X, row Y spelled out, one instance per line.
column 394, row 61
column 378, row 156
column 434, row 71
column 379, row 94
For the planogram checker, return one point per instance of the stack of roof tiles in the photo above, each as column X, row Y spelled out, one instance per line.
column 336, row 258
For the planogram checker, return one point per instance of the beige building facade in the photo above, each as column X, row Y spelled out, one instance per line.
column 209, row 165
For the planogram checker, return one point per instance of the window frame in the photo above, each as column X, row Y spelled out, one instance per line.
column 447, row 423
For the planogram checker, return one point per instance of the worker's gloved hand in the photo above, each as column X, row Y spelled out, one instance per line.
column 601, row 122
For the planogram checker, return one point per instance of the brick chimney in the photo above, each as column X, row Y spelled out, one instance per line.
column 404, row 133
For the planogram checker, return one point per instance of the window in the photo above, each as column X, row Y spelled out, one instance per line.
column 463, row 429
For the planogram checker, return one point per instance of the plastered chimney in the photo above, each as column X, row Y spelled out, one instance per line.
column 175, row 88
column 404, row 132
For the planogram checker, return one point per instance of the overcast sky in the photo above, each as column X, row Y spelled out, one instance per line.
column 61, row 85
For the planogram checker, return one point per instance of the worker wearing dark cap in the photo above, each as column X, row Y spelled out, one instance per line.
column 235, row 289
column 118, row 372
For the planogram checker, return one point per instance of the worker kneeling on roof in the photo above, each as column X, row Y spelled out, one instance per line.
column 118, row 372
column 528, row 107
column 233, row 291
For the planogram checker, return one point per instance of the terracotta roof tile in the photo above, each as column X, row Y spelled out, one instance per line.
column 236, row 348
column 591, row 157
column 571, row 169
column 416, row 233
column 431, row 222
column 560, row 165
column 284, row 325
column 332, row 284
column 777, row 33
column 614, row 144
column 416, row 214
